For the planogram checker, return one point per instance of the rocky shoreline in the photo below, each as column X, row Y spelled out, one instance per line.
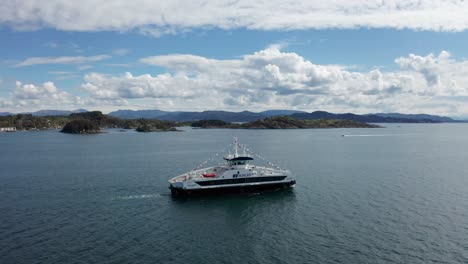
column 94, row 122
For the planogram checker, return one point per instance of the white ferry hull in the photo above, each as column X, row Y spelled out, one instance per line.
column 231, row 189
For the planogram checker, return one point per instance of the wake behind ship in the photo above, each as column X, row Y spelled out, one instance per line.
column 236, row 175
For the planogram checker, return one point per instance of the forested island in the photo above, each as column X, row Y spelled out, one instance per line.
column 83, row 123
column 95, row 121
column 283, row 122
column 81, row 126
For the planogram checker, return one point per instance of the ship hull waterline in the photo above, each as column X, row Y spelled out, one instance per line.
column 238, row 189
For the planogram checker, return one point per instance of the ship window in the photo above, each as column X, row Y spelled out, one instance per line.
column 241, row 180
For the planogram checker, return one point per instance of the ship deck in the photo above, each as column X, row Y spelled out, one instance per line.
column 216, row 172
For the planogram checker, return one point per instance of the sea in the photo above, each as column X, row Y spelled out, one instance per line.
column 397, row 194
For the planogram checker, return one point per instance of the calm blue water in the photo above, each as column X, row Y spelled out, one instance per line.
column 390, row 195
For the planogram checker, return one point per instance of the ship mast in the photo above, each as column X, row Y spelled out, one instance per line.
column 235, row 148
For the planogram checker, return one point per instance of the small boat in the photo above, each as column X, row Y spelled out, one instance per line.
column 236, row 175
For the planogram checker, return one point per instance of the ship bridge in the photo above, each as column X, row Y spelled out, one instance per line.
column 239, row 160
column 236, row 158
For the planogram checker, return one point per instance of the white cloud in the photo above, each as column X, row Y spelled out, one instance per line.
column 120, row 52
column 61, row 72
column 127, row 86
column 51, row 45
column 32, row 97
column 44, row 96
column 169, row 17
column 118, row 64
column 46, row 92
column 5, row 104
column 61, row 60
column 84, row 67
column 443, row 75
column 271, row 78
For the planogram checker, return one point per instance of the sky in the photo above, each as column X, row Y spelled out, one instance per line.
column 338, row 56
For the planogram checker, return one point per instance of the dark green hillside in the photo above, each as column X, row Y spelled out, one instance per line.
column 283, row 122
column 81, row 126
column 286, row 122
column 30, row 122
column 211, row 123
column 92, row 120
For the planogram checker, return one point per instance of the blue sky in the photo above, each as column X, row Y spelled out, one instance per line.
column 396, row 58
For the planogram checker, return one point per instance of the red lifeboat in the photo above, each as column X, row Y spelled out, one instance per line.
column 209, row 175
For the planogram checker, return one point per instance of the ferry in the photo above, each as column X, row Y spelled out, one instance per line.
column 237, row 174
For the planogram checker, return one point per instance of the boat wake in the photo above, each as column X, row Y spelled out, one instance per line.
column 376, row 135
column 134, row 197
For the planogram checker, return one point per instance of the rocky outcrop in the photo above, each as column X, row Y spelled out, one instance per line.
column 81, row 126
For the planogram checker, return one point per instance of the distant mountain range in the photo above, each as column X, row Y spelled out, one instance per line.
column 377, row 118
column 134, row 114
column 49, row 112
column 247, row 116
column 58, row 112
column 417, row 116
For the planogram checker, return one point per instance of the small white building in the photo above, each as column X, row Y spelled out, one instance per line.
column 7, row 129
